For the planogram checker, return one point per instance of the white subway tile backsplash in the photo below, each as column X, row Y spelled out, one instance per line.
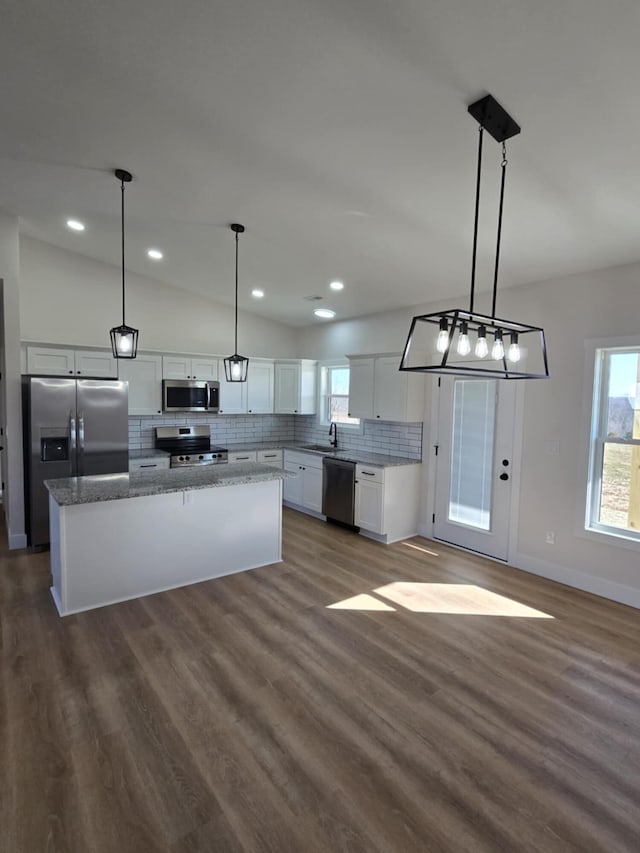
column 389, row 438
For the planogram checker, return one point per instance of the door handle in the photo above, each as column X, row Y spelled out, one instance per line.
column 72, row 432
column 504, row 476
column 80, row 444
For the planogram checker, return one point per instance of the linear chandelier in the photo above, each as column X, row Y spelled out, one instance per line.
column 236, row 366
column 467, row 343
column 124, row 339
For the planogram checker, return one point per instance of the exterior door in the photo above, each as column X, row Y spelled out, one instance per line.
column 474, row 464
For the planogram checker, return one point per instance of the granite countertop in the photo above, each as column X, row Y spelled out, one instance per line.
column 150, row 453
column 69, row 491
column 381, row 460
column 364, row 457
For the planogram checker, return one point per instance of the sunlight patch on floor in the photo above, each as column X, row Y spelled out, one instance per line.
column 455, row 598
column 360, row 602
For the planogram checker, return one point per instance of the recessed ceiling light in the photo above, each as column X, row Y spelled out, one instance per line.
column 325, row 313
column 75, row 225
column 336, row 285
column 155, row 254
column 257, row 293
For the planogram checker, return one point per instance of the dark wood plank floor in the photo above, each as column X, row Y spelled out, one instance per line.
column 244, row 714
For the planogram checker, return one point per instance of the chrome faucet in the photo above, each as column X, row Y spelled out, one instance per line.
column 333, row 430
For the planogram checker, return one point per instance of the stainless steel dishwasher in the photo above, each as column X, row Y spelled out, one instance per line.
column 338, row 489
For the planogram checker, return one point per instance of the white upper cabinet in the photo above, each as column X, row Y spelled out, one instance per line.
column 233, row 395
column 260, row 386
column 379, row 390
column 91, row 363
column 144, row 375
column 361, row 371
column 56, row 361
column 295, row 387
column 183, row 367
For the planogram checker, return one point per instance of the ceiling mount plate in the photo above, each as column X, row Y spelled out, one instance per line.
column 123, row 175
column 494, row 118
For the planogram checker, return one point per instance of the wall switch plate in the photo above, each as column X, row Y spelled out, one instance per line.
column 550, row 537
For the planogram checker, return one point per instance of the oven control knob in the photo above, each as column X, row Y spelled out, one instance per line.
column 180, row 458
column 187, row 458
column 201, row 456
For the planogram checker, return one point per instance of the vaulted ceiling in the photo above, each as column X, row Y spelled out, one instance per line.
column 336, row 131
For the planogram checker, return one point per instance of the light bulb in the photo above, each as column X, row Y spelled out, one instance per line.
column 442, row 344
column 482, row 348
column 236, row 370
column 124, row 344
column 464, row 345
column 514, row 348
column 497, row 350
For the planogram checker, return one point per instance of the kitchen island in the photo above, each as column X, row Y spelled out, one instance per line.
column 121, row 536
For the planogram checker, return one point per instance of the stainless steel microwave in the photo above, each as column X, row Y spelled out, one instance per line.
column 189, row 395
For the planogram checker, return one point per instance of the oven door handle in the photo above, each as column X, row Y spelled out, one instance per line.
column 208, row 396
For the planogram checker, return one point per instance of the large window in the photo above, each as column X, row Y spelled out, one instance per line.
column 613, row 504
column 335, row 395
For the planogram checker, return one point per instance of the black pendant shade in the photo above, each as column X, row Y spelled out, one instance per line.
column 469, row 343
column 236, row 366
column 124, row 339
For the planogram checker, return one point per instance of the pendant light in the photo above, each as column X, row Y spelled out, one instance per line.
column 124, row 339
column 236, row 366
column 440, row 342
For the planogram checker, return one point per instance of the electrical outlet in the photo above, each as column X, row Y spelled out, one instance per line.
column 550, row 537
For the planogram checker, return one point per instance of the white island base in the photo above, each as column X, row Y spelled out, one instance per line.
column 115, row 550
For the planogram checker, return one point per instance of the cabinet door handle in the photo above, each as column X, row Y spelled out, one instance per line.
column 368, row 473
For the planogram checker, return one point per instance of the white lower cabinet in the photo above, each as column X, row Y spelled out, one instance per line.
column 153, row 463
column 369, row 508
column 387, row 501
column 305, row 489
column 242, row 456
column 270, row 457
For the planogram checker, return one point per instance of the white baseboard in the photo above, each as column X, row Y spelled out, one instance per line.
column 17, row 540
column 621, row 593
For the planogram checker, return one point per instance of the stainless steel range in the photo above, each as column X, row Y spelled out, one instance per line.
column 189, row 446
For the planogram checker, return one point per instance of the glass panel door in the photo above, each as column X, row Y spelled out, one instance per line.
column 474, row 464
column 472, row 452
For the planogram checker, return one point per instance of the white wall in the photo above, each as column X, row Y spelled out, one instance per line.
column 66, row 298
column 12, row 441
column 598, row 304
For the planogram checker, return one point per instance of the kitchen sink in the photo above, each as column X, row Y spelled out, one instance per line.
column 319, row 448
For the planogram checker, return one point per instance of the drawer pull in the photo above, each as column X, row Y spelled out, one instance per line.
column 368, row 473
column 270, row 455
column 241, row 458
column 151, row 465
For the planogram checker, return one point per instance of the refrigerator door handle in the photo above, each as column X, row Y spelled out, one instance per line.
column 80, row 444
column 73, row 443
column 72, row 433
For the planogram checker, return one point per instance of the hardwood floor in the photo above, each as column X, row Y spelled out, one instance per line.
column 246, row 714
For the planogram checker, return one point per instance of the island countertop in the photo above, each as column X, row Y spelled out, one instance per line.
column 70, row 491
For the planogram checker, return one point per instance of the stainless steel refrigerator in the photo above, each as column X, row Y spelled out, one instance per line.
column 72, row 428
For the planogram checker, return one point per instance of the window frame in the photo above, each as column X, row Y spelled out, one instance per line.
column 324, row 397
column 598, row 366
